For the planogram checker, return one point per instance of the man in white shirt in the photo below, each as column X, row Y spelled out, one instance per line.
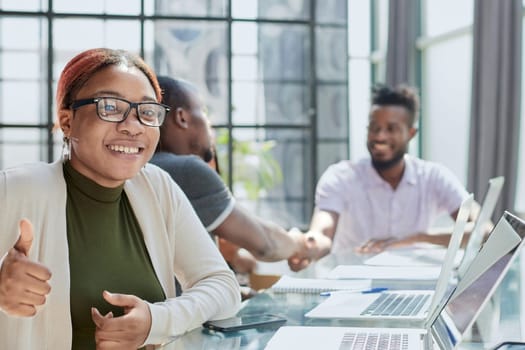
column 390, row 199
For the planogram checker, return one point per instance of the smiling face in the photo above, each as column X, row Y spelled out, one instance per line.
column 388, row 135
column 110, row 153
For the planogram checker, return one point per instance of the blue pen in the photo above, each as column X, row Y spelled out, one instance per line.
column 366, row 291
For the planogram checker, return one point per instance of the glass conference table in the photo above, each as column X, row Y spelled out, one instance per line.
column 502, row 322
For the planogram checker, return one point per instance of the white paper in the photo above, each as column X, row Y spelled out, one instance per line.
column 427, row 273
column 412, row 257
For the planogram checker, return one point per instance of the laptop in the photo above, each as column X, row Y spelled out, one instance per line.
column 478, row 232
column 416, row 256
column 446, row 327
column 409, row 306
column 341, row 338
column 481, row 280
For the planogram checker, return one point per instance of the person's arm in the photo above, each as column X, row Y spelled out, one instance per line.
column 322, row 231
column 435, row 237
column 240, row 260
column 264, row 239
column 443, row 238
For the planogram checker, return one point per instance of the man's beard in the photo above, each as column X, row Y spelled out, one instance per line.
column 380, row 165
column 207, row 155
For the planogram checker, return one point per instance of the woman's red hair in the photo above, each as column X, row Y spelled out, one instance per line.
column 83, row 66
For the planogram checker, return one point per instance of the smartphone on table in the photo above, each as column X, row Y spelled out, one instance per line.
column 238, row 323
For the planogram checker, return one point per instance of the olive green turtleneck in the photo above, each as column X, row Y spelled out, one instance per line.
column 106, row 252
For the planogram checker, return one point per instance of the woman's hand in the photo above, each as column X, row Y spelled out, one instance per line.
column 23, row 283
column 125, row 332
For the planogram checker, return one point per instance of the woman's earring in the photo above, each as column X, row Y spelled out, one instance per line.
column 66, row 149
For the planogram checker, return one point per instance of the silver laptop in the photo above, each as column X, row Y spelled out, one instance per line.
column 341, row 338
column 409, row 306
column 480, row 281
column 478, row 232
column 446, row 326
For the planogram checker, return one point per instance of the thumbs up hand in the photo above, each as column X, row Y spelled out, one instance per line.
column 23, row 245
column 23, row 283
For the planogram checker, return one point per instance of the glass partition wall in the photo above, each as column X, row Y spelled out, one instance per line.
column 273, row 75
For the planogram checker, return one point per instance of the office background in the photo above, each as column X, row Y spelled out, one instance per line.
column 287, row 82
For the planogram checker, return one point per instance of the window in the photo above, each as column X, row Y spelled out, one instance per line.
column 367, row 44
column 446, row 61
column 273, row 73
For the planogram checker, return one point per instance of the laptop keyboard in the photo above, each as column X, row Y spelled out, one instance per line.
column 372, row 341
column 396, row 304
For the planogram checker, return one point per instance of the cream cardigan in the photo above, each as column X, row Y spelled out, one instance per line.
column 177, row 242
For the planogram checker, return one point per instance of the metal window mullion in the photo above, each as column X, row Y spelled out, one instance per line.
column 418, row 79
column 142, row 25
column 230, row 98
column 313, row 110
column 49, row 111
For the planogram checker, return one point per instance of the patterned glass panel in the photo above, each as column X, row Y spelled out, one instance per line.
column 192, row 8
column 270, row 103
column 330, row 153
column 332, row 111
column 196, row 51
column 331, row 11
column 284, row 52
column 272, row 168
column 284, row 9
column 331, row 54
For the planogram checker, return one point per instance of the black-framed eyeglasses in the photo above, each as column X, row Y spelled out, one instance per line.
column 116, row 110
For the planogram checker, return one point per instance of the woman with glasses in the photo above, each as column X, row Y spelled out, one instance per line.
column 90, row 244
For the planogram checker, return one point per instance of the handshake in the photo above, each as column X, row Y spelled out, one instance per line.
column 309, row 248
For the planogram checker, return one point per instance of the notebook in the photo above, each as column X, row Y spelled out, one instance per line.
column 290, row 284
column 446, row 326
column 407, row 305
column 416, row 256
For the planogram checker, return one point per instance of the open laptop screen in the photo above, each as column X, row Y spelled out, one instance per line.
column 482, row 279
column 478, row 232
